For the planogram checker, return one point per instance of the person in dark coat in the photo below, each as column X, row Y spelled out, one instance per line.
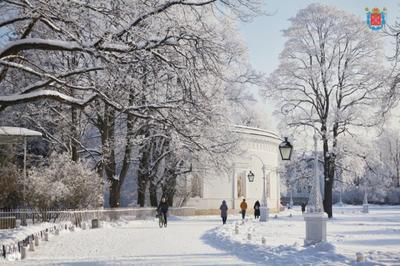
column 224, row 211
column 257, row 210
column 303, row 207
column 163, row 209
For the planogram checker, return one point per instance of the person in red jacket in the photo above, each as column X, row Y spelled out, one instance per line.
column 243, row 208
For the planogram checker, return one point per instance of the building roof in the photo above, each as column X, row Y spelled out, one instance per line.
column 257, row 131
column 16, row 134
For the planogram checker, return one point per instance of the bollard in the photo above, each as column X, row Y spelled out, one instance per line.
column 72, row 228
column 36, row 240
column 83, row 226
column 365, row 208
column 23, row 252
column 17, row 223
column 290, row 215
column 31, row 245
column 57, row 232
column 46, row 236
column 95, row 223
column 359, row 257
column 236, row 229
column 263, row 240
column 249, row 236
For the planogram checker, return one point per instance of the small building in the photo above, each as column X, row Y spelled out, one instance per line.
column 257, row 147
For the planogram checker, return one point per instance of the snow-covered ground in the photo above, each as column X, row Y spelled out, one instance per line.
column 376, row 235
column 204, row 241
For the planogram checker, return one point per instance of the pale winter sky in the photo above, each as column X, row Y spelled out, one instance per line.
column 264, row 34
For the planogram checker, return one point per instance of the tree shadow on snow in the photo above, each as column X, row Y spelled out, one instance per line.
column 320, row 254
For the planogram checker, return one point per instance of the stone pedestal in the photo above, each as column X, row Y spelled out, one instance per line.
column 23, row 252
column 31, row 246
column 36, row 239
column 264, row 214
column 365, row 208
column 315, row 228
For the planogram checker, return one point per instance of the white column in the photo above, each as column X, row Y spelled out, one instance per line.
column 234, row 189
column 264, row 213
column 365, row 201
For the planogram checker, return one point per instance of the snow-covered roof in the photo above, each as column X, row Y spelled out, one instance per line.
column 257, row 131
column 13, row 134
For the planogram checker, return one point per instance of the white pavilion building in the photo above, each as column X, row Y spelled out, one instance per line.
column 259, row 147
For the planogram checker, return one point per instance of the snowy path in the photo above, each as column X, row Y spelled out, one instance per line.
column 203, row 241
column 184, row 242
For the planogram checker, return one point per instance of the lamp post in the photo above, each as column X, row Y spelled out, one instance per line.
column 286, row 148
column 250, row 176
column 315, row 217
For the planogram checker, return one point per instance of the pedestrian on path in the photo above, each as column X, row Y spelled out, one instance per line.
column 224, row 211
column 163, row 209
column 243, row 208
column 257, row 210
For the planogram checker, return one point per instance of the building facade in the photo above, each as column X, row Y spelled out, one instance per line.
column 257, row 147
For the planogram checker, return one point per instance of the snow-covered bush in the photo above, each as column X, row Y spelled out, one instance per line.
column 393, row 196
column 8, row 184
column 63, row 183
column 353, row 195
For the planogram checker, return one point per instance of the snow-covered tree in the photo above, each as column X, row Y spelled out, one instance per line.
column 9, row 175
column 330, row 71
column 127, row 69
column 63, row 183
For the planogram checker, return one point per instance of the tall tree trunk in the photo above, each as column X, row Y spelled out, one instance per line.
column 143, row 177
column 329, row 162
column 126, row 162
column 142, row 185
column 153, row 193
column 108, row 149
column 329, row 170
column 169, row 187
column 115, row 194
column 74, row 133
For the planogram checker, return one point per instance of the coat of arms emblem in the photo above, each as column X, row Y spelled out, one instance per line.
column 376, row 18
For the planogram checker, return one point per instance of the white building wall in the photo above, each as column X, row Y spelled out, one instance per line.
column 257, row 147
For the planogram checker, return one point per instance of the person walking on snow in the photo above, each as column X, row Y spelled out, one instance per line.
column 257, row 210
column 243, row 208
column 224, row 211
column 163, row 209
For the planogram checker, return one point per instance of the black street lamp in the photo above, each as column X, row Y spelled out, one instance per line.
column 285, row 148
column 250, row 176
